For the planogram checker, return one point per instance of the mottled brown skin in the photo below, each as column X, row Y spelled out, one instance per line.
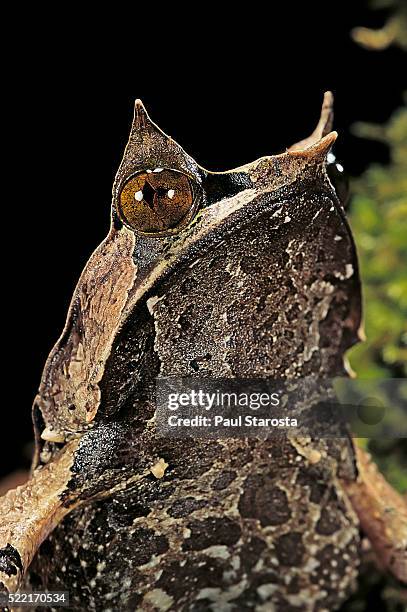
column 263, row 281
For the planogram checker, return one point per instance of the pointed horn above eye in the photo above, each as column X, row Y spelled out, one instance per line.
column 318, row 149
column 142, row 124
column 149, row 147
column 285, row 168
column 316, row 153
column 141, row 118
column 323, row 127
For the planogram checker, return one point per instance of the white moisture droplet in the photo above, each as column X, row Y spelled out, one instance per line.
column 331, row 158
column 138, row 196
column 171, row 193
column 349, row 270
column 339, row 167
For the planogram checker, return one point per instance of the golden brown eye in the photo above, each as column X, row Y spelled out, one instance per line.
column 157, row 201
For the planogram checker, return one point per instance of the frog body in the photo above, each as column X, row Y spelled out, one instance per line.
column 250, row 273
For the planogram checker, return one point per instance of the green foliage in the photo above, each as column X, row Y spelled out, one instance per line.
column 393, row 31
column 378, row 217
column 379, row 220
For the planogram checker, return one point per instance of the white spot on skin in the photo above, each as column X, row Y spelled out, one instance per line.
column 171, row 193
column 158, row 170
column 50, row 435
column 348, row 272
column 45, row 456
column 218, row 551
column 158, row 469
column 138, row 195
column 221, row 598
column 337, row 238
column 287, row 219
column 266, row 590
column 159, row 599
column 235, row 561
column 151, row 302
column 314, row 457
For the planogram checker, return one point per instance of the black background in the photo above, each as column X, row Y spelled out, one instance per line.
column 229, row 87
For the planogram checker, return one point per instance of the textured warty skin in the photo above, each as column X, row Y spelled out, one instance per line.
column 257, row 278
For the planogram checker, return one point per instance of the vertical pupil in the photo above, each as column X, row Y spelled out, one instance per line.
column 156, row 202
column 148, row 194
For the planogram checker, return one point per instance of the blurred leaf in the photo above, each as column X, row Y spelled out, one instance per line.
column 378, row 217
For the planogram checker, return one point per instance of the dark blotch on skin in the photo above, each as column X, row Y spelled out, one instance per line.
column 202, row 605
column 261, row 499
column 290, row 549
column 179, row 581
column 10, row 560
column 328, row 522
column 223, row 480
column 135, row 502
column 284, row 606
column 241, row 457
column 251, row 551
column 212, row 531
column 293, row 587
column 146, row 544
column 183, row 507
column 117, row 223
column 313, row 479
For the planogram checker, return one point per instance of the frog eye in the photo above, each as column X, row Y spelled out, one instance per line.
column 157, row 202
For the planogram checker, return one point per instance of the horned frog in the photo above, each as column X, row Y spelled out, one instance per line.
column 246, row 273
